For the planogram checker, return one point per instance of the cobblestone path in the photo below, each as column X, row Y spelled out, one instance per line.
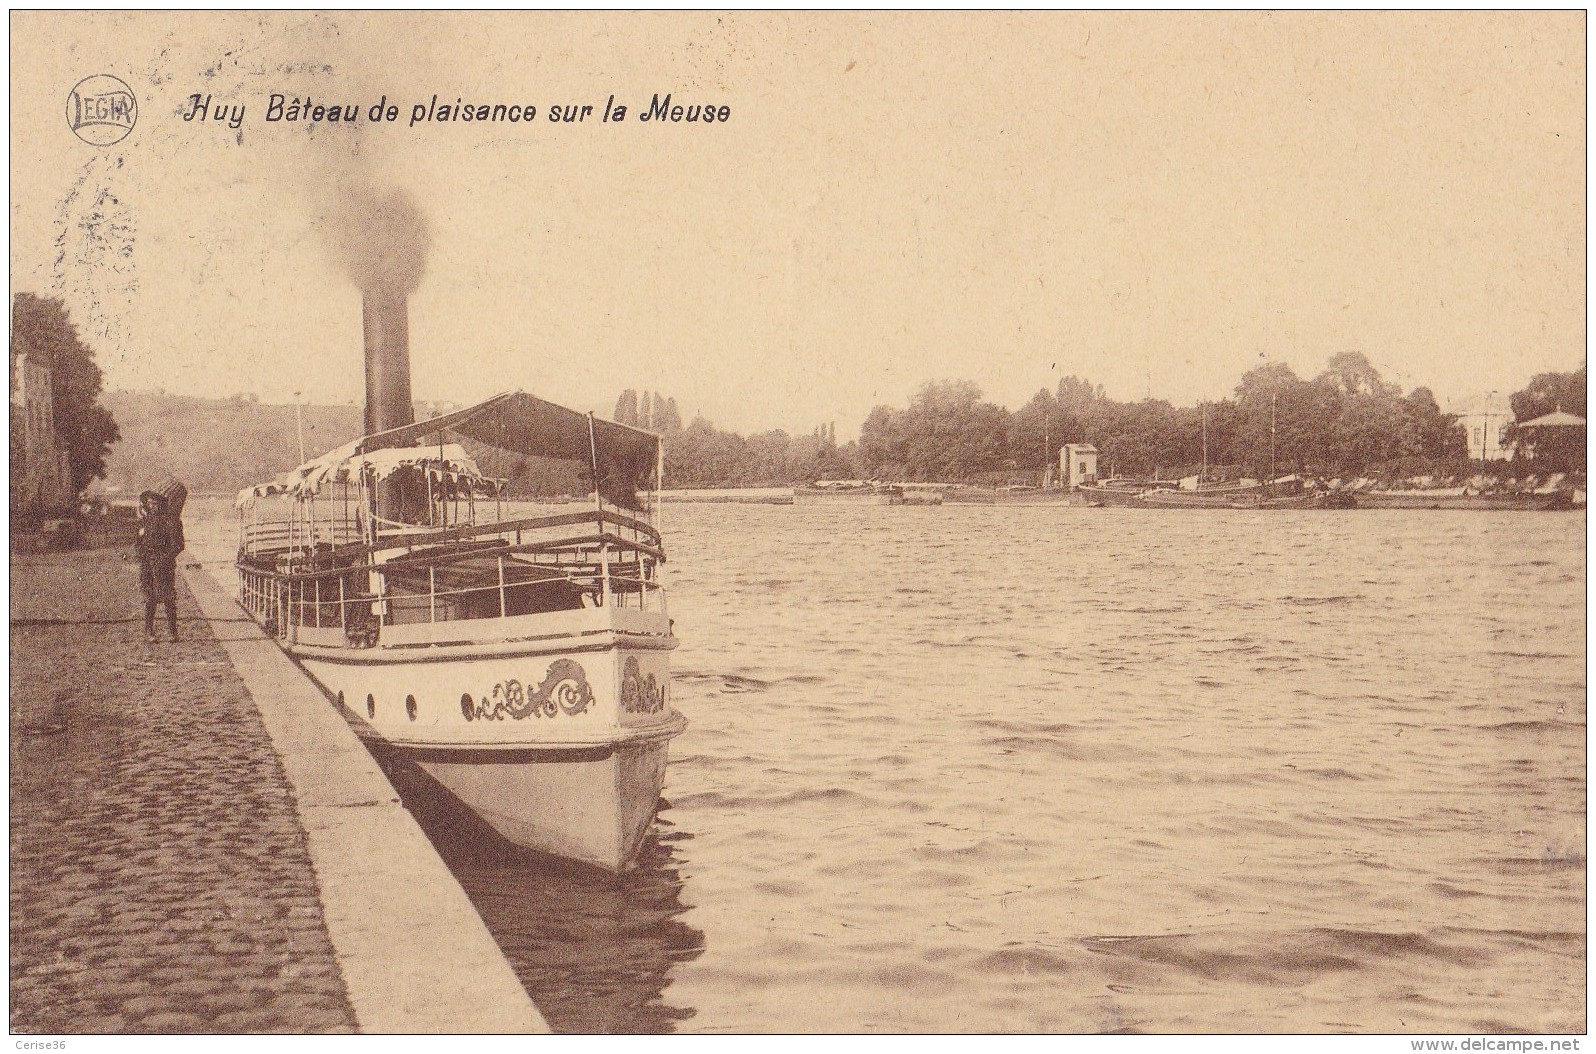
column 159, row 875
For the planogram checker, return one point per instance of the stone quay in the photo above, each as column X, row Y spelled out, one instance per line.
column 194, row 848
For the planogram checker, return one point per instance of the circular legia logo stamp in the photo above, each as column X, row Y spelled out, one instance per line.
column 101, row 110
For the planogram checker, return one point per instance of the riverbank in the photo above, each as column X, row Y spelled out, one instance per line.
column 199, row 844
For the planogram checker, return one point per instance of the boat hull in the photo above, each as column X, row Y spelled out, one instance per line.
column 1195, row 499
column 1320, row 500
column 1217, row 498
column 557, row 740
column 591, row 805
column 1051, row 496
column 923, row 497
column 847, row 496
column 1114, row 497
column 1041, row 496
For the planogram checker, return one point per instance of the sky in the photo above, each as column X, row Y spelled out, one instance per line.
column 1154, row 201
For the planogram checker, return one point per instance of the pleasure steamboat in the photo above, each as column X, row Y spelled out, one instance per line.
column 521, row 661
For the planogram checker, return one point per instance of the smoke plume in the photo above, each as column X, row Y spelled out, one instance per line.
column 379, row 237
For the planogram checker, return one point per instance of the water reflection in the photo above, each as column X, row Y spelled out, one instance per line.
column 593, row 949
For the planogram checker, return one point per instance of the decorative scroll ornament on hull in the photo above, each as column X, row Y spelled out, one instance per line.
column 639, row 694
column 564, row 690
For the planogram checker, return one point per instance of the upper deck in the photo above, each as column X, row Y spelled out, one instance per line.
column 392, row 531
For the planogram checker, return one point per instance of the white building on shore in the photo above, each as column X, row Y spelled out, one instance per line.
column 1485, row 418
column 1077, row 464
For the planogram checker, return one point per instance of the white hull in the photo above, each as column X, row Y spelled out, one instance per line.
column 594, row 806
column 552, row 728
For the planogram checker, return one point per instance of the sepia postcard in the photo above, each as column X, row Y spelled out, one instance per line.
column 788, row 523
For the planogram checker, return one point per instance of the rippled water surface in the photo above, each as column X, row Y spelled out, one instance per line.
column 1080, row 770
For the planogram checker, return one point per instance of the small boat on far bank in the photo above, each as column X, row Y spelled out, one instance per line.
column 1286, row 492
column 1015, row 495
column 1219, row 496
column 1317, row 499
column 848, row 492
column 1121, row 493
column 923, row 493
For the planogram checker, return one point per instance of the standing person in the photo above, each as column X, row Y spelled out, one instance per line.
column 157, row 549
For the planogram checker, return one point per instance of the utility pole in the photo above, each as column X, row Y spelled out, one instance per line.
column 1271, row 437
column 299, row 426
column 1485, row 430
column 1047, row 451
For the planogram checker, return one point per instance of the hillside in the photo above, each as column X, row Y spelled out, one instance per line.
column 224, row 445
column 214, row 444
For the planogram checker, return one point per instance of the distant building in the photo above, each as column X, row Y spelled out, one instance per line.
column 1484, row 419
column 41, row 474
column 1077, row 464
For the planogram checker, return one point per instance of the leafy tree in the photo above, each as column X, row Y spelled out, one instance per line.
column 1367, row 431
column 882, row 443
column 1370, row 420
column 1076, row 395
column 1346, row 421
column 1434, row 434
column 1076, row 399
column 1033, row 432
column 40, row 326
column 947, row 434
column 1547, row 392
column 1351, row 373
column 703, row 456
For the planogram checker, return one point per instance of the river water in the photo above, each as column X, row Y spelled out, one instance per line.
column 1050, row 769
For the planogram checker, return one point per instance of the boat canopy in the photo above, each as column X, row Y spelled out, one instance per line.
column 278, row 484
column 344, row 465
column 622, row 459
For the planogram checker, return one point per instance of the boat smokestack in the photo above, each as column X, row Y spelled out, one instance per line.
column 387, row 330
column 380, row 238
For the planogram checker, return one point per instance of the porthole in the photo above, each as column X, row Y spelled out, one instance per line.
column 371, row 706
column 467, row 708
column 410, row 706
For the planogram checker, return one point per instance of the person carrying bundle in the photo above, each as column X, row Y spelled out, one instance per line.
column 160, row 539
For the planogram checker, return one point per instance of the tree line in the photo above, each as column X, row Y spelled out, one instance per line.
column 1346, row 422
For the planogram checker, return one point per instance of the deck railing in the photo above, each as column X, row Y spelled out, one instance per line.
column 346, row 586
column 286, row 536
column 276, row 538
